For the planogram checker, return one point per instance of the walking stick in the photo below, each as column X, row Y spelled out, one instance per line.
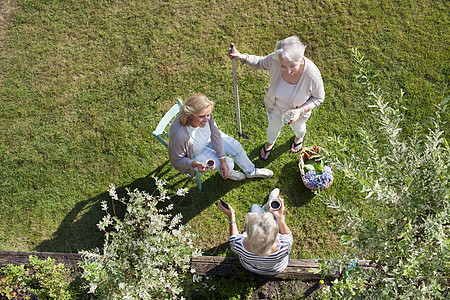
column 236, row 95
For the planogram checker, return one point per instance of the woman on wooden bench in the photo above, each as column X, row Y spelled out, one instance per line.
column 264, row 246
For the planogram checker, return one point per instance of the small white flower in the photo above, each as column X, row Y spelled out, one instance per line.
column 92, row 287
column 182, row 192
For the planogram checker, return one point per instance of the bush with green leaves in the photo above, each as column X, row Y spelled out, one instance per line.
column 44, row 278
column 404, row 226
column 146, row 254
column 12, row 285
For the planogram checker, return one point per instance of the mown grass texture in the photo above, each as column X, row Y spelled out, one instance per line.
column 84, row 83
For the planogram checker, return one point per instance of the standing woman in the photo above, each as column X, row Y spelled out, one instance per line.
column 195, row 138
column 296, row 87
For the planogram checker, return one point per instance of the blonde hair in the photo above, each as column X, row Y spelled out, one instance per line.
column 262, row 231
column 193, row 106
column 290, row 48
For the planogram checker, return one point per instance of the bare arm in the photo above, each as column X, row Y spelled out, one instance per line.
column 284, row 229
column 279, row 214
column 231, row 218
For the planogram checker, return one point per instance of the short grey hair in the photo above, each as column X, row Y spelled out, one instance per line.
column 290, row 48
column 262, row 231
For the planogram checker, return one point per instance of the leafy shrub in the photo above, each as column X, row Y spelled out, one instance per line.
column 145, row 255
column 12, row 285
column 404, row 228
column 53, row 280
column 44, row 278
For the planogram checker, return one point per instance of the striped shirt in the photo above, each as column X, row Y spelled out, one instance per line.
column 272, row 264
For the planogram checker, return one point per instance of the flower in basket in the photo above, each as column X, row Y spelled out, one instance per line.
column 317, row 175
column 320, row 179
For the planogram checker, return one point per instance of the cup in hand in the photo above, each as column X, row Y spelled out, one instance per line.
column 287, row 116
column 275, row 204
column 211, row 164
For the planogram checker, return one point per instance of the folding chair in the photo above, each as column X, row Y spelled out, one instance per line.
column 162, row 134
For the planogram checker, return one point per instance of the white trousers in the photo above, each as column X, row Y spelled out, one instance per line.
column 275, row 124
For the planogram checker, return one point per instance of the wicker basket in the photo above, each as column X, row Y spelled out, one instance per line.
column 310, row 151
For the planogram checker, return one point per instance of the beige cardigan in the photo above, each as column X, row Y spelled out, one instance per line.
column 309, row 89
column 180, row 148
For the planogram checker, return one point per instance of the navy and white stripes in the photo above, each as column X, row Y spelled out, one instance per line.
column 272, row 264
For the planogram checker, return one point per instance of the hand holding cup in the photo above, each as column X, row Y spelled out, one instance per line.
column 211, row 164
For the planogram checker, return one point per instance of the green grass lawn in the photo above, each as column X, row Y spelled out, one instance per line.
column 84, row 83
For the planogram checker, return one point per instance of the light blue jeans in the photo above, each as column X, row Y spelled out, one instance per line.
column 255, row 208
column 232, row 148
column 275, row 124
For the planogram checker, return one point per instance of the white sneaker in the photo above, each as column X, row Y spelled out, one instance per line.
column 273, row 194
column 236, row 175
column 260, row 173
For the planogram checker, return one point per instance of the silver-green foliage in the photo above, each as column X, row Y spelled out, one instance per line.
column 404, row 227
column 145, row 255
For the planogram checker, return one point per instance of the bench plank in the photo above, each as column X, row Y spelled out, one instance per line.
column 22, row 258
column 304, row 269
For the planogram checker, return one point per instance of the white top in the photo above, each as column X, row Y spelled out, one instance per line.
column 199, row 137
column 309, row 88
column 283, row 94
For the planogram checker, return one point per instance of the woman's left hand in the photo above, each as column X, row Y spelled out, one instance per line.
column 296, row 112
column 224, row 170
column 279, row 212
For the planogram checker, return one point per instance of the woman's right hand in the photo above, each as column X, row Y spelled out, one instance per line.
column 228, row 211
column 237, row 55
column 202, row 168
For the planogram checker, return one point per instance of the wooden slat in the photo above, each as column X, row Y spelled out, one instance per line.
column 306, row 269
column 22, row 258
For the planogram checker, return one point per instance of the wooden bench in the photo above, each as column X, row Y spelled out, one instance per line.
column 302, row 269
column 22, row 258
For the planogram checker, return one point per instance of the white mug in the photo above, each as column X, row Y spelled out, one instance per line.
column 275, row 204
column 210, row 163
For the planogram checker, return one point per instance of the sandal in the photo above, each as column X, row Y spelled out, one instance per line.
column 266, row 152
column 295, row 146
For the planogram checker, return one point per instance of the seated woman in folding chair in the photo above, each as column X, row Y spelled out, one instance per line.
column 195, row 138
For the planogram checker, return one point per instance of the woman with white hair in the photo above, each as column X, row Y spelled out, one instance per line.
column 264, row 246
column 296, row 87
column 195, row 138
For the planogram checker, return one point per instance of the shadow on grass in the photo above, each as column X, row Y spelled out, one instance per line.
column 297, row 194
column 222, row 248
column 277, row 151
column 79, row 231
column 214, row 188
